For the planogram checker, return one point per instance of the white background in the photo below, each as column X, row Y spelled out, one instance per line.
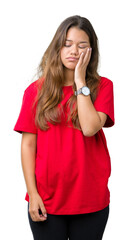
column 27, row 27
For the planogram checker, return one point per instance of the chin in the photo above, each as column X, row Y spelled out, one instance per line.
column 70, row 66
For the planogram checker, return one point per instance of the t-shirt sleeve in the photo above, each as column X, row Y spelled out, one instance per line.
column 105, row 102
column 26, row 119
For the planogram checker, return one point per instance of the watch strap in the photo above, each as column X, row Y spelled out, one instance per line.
column 78, row 91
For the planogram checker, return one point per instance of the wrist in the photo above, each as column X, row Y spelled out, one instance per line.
column 80, row 85
column 33, row 193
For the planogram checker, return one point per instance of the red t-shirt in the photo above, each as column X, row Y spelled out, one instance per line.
column 72, row 170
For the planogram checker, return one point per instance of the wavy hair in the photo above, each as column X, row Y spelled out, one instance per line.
column 51, row 72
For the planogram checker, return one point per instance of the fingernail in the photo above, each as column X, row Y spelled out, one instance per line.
column 45, row 214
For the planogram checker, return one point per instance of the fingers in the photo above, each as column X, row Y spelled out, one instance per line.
column 37, row 215
column 80, row 69
column 84, row 58
column 81, row 58
column 37, row 209
column 87, row 56
column 43, row 211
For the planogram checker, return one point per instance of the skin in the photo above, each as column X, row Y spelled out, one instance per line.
column 91, row 121
column 28, row 156
column 77, row 43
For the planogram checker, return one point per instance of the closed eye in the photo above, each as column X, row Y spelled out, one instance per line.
column 82, row 47
column 67, row 45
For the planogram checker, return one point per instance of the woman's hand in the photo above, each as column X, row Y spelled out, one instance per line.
column 80, row 69
column 36, row 204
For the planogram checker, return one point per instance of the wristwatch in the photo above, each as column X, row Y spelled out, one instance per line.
column 84, row 90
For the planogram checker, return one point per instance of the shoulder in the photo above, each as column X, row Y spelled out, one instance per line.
column 32, row 89
column 105, row 82
column 105, row 88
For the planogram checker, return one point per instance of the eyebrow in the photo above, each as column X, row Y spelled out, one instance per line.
column 79, row 42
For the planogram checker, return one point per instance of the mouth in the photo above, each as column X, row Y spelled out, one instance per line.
column 72, row 59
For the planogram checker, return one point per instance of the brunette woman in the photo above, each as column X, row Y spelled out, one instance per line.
column 65, row 158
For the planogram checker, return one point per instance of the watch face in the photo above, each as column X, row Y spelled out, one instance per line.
column 85, row 91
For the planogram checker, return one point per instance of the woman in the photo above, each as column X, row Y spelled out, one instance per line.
column 65, row 159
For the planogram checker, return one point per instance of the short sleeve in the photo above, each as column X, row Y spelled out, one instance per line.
column 26, row 119
column 105, row 101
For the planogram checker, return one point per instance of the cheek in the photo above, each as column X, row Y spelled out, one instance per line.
column 82, row 50
column 63, row 55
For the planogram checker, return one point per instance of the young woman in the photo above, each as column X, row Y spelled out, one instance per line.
column 65, row 159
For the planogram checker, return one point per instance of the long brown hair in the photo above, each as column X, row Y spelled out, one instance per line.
column 51, row 72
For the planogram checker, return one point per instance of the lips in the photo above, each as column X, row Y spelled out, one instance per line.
column 72, row 59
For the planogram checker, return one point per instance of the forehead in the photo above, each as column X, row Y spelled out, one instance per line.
column 77, row 35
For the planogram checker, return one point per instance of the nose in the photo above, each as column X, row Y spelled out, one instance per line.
column 74, row 50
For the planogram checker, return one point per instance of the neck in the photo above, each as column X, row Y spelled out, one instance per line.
column 68, row 77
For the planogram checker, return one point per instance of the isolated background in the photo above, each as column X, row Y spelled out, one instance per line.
column 26, row 28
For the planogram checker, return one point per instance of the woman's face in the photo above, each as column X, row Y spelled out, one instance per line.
column 77, row 41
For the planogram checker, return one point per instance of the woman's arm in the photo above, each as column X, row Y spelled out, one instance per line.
column 28, row 156
column 90, row 120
